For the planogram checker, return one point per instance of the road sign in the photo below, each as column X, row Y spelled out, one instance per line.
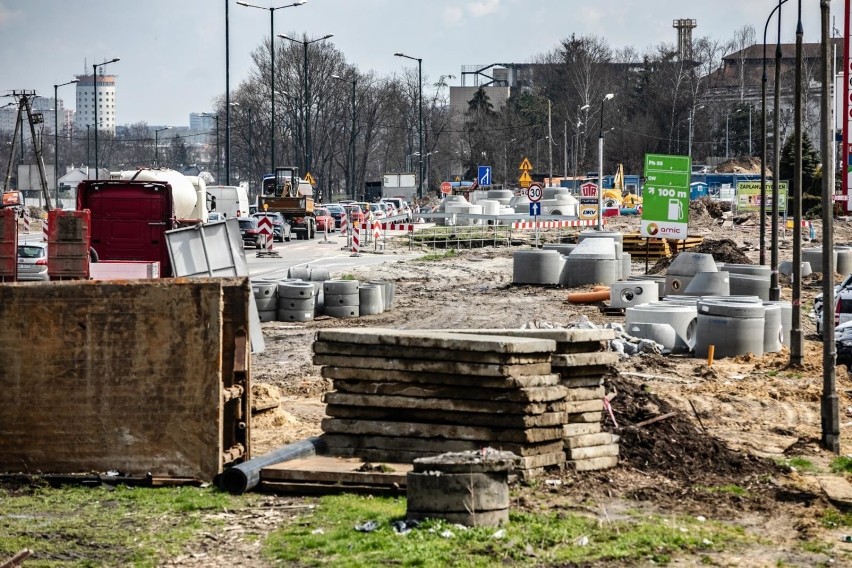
column 525, row 180
column 484, row 175
column 264, row 226
column 310, row 179
column 589, row 189
column 534, row 192
column 446, row 187
column 535, row 208
column 748, row 196
column 526, row 165
column 665, row 200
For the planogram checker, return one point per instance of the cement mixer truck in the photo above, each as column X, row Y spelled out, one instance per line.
column 132, row 210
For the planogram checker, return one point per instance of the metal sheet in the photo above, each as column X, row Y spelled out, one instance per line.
column 214, row 250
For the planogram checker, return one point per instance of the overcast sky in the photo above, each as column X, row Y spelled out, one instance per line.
column 173, row 51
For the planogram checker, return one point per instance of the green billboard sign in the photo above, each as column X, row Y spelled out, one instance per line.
column 665, row 197
column 748, row 196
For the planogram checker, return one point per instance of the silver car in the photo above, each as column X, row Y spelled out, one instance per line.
column 32, row 262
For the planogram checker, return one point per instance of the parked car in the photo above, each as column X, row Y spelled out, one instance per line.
column 325, row 222
column 378, row 211
column 843, row 304
column 400, row 204
column 338, row 212
column 249, row 231
column 355, row 213
column 214, row 216
column 280, row 226
column 32, row 262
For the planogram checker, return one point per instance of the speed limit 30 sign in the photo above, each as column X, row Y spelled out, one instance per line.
column 534, row 192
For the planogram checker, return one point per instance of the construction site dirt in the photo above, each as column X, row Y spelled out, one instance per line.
column 686, row 427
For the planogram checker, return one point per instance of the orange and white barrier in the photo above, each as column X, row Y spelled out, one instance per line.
column 554, row 224
column 26, row 221
column 377, row 230
column 44, row 230
column 356, row 239
column 344, row 225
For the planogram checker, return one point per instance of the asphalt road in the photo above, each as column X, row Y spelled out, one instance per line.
column 332, row 255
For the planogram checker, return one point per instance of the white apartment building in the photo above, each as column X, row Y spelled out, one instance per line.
column 86, row 90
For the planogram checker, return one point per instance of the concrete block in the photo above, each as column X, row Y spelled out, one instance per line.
column 690, row 263
column 632, row 293
column 709, row 283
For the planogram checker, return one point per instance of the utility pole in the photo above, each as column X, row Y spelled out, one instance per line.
column 565, row 149
column 549, row 147
column 796, row 340
column 774, row 288
column 828, row 405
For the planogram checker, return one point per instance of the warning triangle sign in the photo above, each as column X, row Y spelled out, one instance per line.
column 525, row 177
column 525, row 166
column 309, row 178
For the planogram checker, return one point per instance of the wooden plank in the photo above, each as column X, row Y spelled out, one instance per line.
column 349, row 373
column 420, row 430
column 428, row 366
column 329, row 469
column 442, row 417
column 435, row 446
column 392, row 351
column 446, row 404
column 532, row 394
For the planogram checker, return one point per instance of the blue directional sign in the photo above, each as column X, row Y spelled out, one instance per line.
column 484, row 175
column 535, row 209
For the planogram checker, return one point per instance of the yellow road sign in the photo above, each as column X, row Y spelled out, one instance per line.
column 525, row 180
column 525, row 166
column 309, row 178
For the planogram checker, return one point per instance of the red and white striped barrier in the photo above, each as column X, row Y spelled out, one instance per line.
column 554, row 224
column 377, row 230
column 398, row 227
column 26, row 221
column 356, row 239
column 44, row 230
column 344, row 224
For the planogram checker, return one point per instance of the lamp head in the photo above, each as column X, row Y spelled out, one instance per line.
column 336, row 77
column 609, row 96
column 398, row 54
column 327, row 36
column 585, row 107
column 300, row 2
column 114, row 60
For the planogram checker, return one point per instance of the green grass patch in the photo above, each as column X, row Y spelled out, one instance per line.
column 348, row 277
column 801, row 464
column 437, row 256
column 841, row 464
column 833, row 518
column 735, row 490
column 327, row 536
column 121, row 526
column 816, row 547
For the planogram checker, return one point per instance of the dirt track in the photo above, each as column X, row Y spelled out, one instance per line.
column 753, row 404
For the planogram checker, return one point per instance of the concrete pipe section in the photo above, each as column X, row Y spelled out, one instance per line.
column 843, row 264
column 388, row 289
column 750, row 285
column 709, row 284
column 733, row 328
column 660, row 280
column 683, row 268
column 814, row 256
column 296, row 304
column 337, row 287
column 296, row 290
column 537, row 267
column 661, row 333
column 342, row 311
column 592, row 262
column 370, row 300
column 786, row 319
column 773, row 331
column 503, row 196
column 301, row 273
column 632, row 293
column 750, row 269
column 683, row 320
column 786, row 268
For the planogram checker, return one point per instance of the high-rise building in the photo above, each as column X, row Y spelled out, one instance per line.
column 105, row 90
column 203, row 122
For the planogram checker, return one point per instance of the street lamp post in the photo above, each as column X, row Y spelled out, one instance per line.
column 56, row 137
column 307, row 107
column 608, row 96
column 97, row 103
column 272, row 71
column 157, row 144
column 351, row 188
column 420, row 115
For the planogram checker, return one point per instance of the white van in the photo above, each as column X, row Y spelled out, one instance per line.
column 229, row 200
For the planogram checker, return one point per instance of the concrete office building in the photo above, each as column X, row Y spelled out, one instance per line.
column 86, row 90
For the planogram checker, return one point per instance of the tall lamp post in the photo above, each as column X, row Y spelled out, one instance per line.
column 56, row 137
column 420, row 116
column 157, row 144
column 97, row 104
column 307, row 106
column 351, row 189
column 272, row 70
column 608, row 96
column 216, row 118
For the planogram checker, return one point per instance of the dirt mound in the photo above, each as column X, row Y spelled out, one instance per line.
column 675, row 447
column 741, row 165
column 710, row 207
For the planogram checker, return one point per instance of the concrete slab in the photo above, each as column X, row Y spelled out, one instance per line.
column 558, row 335
column 591, row 452
column 580, row 429
column 419, row 430
column 436, row 339
column 584, row 359
column 434, row 446
column 394, row 351
column 431, row 366
column 438, row 404
column 548, row 418
column 593, row 464
column 533, row 394
column 461, row 380
column 838, row 490
column 591, row 440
